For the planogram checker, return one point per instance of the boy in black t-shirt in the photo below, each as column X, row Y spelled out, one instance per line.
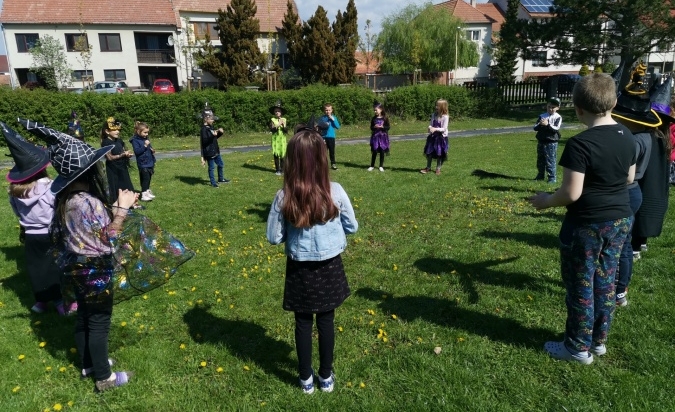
column 597, row 164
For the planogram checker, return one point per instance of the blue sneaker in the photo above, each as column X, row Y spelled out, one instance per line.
column 327, row 385
column 307, row 385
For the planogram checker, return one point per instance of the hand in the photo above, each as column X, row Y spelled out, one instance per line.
column 221, row 130
column 203, row 162
column 126, row 198
column 544, row 122
column 539, row 200
column 147, row 143
column 129, row 153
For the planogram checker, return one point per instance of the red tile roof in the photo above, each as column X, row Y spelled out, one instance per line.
column 361, row 68
column 464, row 11
column 270, row 12
column 158, row 12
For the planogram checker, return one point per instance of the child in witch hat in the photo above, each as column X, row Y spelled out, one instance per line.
column 279, row 128
column 209, row 146
column 84, row 229
column 33, row 202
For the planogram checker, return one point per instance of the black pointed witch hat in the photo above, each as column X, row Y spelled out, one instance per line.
column 661, row 95
column 207, row 111
column 277, row 106
column 29, row 159
column 633, row 103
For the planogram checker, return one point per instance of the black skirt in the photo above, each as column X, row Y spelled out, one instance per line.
column 43, row 273
column 315, row 287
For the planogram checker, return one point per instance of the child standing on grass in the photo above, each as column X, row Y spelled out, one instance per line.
column 209, row 146
column 33, row 203
column 84, row 229
column 145, row 158
column 312, row 215
column 117, row 159
column 328, row 123
column 379, row 139
column 597, row 164
column 548, row 134
column 279, row 128
column 437, row 140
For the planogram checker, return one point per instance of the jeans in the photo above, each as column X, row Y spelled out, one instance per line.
column 589, row 256
column 91, row 336
column 213, row 162
column 625, row 271
column 303, row 342
column 547, row 156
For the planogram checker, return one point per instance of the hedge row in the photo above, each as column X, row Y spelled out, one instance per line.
column 177, row 114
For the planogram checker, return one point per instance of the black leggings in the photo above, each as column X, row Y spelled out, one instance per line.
column 278, row 163
column 303, row 342
column 330, row 144
column 372, row 159
column 145, row 174
column 91, row 336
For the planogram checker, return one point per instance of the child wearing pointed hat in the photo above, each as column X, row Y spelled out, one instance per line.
column 597, row 165
column 84, row 229
column 209, row 146
column 33, row 203
column 379, row 138
column 279, row 127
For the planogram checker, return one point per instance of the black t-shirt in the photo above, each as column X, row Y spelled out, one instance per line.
column 603, row 154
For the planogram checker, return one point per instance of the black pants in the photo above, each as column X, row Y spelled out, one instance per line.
column 374, row 156
column 278, row 163
column 91, row 336
column 303, row 342
column 44, row 275
column 145, row 174
column 330, row 144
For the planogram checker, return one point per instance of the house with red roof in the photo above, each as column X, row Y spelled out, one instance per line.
column 130, row 40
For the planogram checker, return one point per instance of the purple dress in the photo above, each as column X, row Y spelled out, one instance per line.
column 437, row 142
column 379, row 139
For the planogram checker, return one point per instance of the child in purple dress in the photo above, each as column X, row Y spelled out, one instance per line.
column 379, row 139
column 437, row 141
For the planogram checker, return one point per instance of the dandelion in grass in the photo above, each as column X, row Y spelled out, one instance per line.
column 48, row 369
column 42, row 344
column 16, row 389
column 182, row 346
column 349, row 384
column 394, row 317
column 460, row 339
column 340, row 329
column 395, row 268
column 193, row 289
column 137, row 314
column 219, row 369
column 71, row 403
column 123, row 324
column 62, row 369
column 37, row 322
column 145, row 297
column 57, row 407
column 21, row 357
column 202, row 364
column 362, row 385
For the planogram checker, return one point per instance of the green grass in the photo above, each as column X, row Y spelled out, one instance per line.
column 459, row 262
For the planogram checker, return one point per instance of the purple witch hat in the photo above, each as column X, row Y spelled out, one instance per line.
column 660, row 97
column 69, row 156
column 29, row 159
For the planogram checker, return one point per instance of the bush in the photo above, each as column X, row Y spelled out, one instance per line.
column 417, row 102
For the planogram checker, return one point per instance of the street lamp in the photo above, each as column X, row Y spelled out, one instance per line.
column 454, row 71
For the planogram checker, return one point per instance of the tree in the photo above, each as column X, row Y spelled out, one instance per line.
column 505, row 51
column 423, row 37
column 239, row 59
column 317, row 49
column 581, row 32
column 50, row 63
column 366, row 46
column 291, row 29
column 346, row 33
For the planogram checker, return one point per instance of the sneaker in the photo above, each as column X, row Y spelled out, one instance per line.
column 558, row 350
column 64, row 310
column 223, row 180
column 438, row 172
column 120, row 378
column 370, row 169
column 551, row 181
column 327, row 385
column 333, row 166
column 39, row 307
column 425, row 170
column 150, row 193
column 598, row 349
column 214, row 185
column 278, row 173
column 636, row 256
column 145, row 197
column 643, row 247
column 89, row 372
column 381, row 169
column 307, row 385
column 621, row 299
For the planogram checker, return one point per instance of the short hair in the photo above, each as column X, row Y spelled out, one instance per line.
column 325, row 105
column 595, row 93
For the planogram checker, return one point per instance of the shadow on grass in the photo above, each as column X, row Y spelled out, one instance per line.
column 192, row 180
column 497, row 188
column 484, row 174
column 544, row 240
column 256, row 167
column 245, row 340
column 470, row 273
column 448, row 314
column 366, row 165
column 262, row 210
column 551, row 214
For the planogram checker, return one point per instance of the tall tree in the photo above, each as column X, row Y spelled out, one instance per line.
column 50, row 63
column 346, row 32
column 236, row 63
column 366, row 45
column 423, row 37
column 585, row 32
column 291, row 29
column 505, row 50
column 318, row 49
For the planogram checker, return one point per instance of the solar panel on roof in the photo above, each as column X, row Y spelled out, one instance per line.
column 537, row 6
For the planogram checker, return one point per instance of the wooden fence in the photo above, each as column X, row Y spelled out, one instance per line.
column 531, row 91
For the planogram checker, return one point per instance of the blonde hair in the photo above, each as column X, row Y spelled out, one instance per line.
column 442, row 107
column 595, row 93
column 139, row 126
column 22, row 189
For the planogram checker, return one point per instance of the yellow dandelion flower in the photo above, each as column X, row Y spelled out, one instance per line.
column 394, row 317
column 371, row 322
column 362, row 385
column 231, row 305
column 340, row 329
column 62, row 369
column 145, row 297
column 48, row 369
column 243, row 232
column 37, row 322
column 137, row 314
column 460, row 339
column 349, row 384
column 182, row 346
column 42, row 344
column 123, row 324
column 202, row 364
column 58, row 407
column 246, row 368
column 219, row 300
column 385, row 339
column 199, row 301
column 16, row 389
column 395, row 267
column 219, row 370
column 22, row 357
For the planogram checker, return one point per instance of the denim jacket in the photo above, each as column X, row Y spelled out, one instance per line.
column 316, row 243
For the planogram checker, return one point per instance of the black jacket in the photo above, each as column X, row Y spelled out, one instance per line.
column 209, row 141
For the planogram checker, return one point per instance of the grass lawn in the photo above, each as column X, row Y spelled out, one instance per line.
column 455, row 288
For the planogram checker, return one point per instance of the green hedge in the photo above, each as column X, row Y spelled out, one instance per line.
column 177, row 114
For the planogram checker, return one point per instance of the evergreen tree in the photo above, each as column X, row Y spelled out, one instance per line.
column 345, row 30
column 291, row 30
column 236, row 63
column 505, row 51
column 318, row 49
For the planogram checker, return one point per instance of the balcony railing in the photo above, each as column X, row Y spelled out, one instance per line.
column 155, row 56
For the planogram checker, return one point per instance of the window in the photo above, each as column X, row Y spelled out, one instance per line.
column 473, row 35
column 110, row 42
column 117, row 74
column 79, row 74
column 26, row 41
column 76, row 42
column 539, row 59
column 201, row 28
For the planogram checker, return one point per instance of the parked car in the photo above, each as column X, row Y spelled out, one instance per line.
column 163, row 86
column 108, row 87
column 566, row 82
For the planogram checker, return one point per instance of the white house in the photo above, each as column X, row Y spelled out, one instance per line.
column 131, row 40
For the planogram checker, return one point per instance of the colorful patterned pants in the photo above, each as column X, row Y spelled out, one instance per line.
column 589, row 255
column 547, row 157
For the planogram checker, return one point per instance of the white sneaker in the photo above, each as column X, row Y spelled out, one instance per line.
column 381, row 169
column 307, row 385
column 327, row 385
column 145, row 197
column 370, row 169
column 149, row 192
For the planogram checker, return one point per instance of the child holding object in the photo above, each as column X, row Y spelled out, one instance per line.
column 312, row 216
column 597, row 164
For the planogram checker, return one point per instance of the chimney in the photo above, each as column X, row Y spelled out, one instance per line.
column 473, row 3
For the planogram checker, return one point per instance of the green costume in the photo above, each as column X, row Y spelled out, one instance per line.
column 278, row 136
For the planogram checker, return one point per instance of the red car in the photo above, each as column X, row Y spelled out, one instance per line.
column 163, row 86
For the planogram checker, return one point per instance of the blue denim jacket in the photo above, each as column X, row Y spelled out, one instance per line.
column 316, row 243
